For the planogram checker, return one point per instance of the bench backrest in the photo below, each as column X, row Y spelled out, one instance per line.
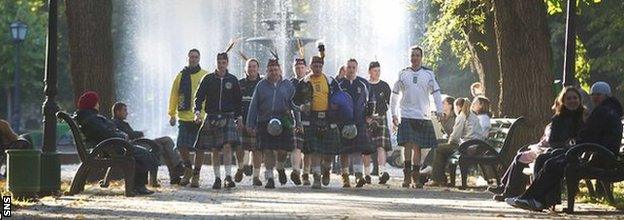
column 502, row 135
column 78, row 138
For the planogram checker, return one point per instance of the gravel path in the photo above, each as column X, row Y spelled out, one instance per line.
column 288, row 202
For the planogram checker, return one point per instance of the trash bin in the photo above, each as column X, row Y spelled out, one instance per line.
column 23, row 172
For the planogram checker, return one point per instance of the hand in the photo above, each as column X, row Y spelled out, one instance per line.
column 369, row 120
column 299, row 130
column 172, row 121
column 198, row 119
column 395, row 121
column 239, row 125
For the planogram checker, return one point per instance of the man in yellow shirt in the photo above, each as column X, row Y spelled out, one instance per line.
column 181, row 110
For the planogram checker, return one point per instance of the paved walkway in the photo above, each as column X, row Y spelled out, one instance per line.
column 288, row 202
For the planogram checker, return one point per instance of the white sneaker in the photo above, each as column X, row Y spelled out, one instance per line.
column 426, row 170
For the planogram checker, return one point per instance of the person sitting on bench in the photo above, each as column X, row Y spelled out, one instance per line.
column 602, row 127
column 168, row 154
column 97, row 128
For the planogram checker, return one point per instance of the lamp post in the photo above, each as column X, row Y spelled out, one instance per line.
column 18, row 32
column 570, row 45
column 50, row 164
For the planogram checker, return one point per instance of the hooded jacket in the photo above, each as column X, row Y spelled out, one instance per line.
column 95, row 127
column 604, row 125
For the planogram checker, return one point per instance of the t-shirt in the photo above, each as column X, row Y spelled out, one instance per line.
column 415, row 87
column 320, row 93
column 382, row 91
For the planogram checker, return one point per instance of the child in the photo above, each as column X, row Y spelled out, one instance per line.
column 481, row 107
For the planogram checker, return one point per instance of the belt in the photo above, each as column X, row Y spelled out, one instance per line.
column 220, row 115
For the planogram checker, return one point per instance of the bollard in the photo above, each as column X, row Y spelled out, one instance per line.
column 23, row 172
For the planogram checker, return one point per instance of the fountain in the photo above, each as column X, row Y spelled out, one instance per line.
column 152, row 38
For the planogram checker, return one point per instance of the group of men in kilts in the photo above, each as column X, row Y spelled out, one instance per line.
column 313, row 117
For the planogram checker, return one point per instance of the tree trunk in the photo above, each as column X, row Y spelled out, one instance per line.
column 525, row 57
column 484, row 56
column 90, row 49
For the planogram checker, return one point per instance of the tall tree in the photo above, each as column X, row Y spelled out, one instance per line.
column 525, row 64
column 90, row 49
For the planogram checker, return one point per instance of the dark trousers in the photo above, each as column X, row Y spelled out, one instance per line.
column 441, row 156
column 514, row 180
column 144, row 161
column 546, row 188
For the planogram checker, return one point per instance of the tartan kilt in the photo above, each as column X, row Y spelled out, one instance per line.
column 417, row 131
column 327, row 143
column 298, row 140
column 380, row 134
column 266, row 141
column 187, row 134
column 247, row 141
column 211, row 137
column 360, row 144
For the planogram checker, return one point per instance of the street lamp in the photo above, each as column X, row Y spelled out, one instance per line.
column 18, row 33
column 570, row 45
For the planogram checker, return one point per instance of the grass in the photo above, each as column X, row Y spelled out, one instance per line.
column 618, row 195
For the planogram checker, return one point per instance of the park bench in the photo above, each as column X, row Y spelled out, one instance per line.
column 580, row 166
column 112, row 152
column 497, row 150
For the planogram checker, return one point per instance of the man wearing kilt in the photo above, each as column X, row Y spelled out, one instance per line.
column 248, row 141
column 321, row 133
column 181, row 112
column 415, row 84
column 355, row 138
column 300, row 70
column 220, row 93
column 271, row 118
column 378, row 126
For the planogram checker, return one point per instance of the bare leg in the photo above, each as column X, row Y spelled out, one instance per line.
column 227, row 159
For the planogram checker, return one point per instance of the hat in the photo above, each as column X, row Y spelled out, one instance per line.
column 349, row 132
column 373, row 64
column 88, row 100
column 274, row 127
column 600, row 87
column 273, row 62
column 317, row 59
column 222, row 56
column 299, row 61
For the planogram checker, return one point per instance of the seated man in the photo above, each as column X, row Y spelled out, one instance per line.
column 168, row 154
column 602, row 127
column 97, row 128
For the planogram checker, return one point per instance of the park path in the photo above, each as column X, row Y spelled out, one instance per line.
column 289, row 202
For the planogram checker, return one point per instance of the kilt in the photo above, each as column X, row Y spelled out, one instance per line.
column 298, row 139
column 247, row 141
column 327, row 143
column 187, row 134
column 266, row 141
column 211, row 137
column 417, row 131
column 360, row 144
column 380, row 133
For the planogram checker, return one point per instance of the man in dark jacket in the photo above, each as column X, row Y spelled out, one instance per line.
column 168, row 154
column 603, row 127
column 97, row 128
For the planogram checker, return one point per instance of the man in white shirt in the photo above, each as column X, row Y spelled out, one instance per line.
column 415, row 132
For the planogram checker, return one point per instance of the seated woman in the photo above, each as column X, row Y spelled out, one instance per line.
column 481, row 107
column 466, row 128
column 602, row 127
column 97, row 128
column 562, row 130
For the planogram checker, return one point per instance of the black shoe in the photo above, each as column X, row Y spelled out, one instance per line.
column 281, row 175
column 217, row 183
column 305, row 179
column 228, row 183
column 383, row 179
column 248, row 170
column 142, row 190
column 368, row 179
column 175, row 180
column 257, row 182
column 326, row 177
column 496, row 189
column 499, row 197
column 270, row 184
column 295, row 177
column 238, row 177
column 359, row 180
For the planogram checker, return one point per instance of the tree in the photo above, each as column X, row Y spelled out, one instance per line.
column 525, row 64
column 90, row 49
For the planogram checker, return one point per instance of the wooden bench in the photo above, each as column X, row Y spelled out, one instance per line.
column 112, row 152
column 580, row 166
column 497, row 149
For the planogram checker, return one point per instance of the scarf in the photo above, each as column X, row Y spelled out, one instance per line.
column 186, row 88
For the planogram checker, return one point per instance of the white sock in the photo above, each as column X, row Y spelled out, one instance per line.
column 256, row 172
column 228, row 170
column 306, row 170
column 268, row 174
column 345, row 170
column 246, row 159
column 367, row 170
column 382, row 169
column 217, row 171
